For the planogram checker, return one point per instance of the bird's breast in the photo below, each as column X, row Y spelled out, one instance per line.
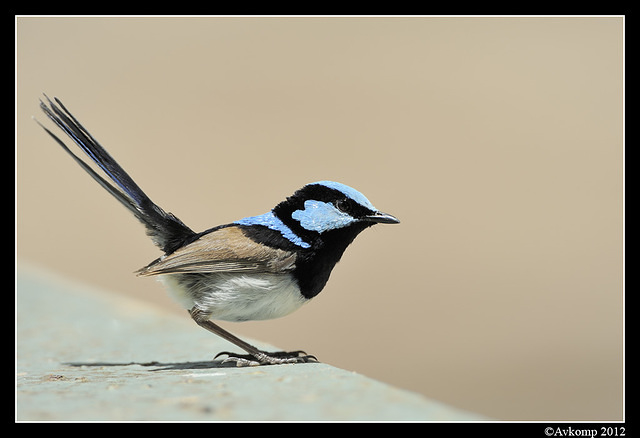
column 236, row 296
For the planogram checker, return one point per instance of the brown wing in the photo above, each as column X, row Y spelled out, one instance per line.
column 223, row 250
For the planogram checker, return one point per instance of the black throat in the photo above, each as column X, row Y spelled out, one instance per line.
column 314, row 265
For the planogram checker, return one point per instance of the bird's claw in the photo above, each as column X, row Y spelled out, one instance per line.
column 264, row 358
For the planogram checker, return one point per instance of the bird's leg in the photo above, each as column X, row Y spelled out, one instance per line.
column 255, row 356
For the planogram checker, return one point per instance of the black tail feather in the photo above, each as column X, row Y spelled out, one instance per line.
column 167, row 231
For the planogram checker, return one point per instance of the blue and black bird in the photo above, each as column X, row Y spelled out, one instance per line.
column 256, row 268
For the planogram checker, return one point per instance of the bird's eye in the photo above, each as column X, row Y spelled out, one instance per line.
column 342, row 205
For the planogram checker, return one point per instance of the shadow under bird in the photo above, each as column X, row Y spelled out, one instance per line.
column 256, row 268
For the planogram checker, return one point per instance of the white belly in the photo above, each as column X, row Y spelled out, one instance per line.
column 237, row 297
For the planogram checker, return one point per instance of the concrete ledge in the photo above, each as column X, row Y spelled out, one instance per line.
column 85, row 355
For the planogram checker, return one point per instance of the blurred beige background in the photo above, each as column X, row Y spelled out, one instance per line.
column 496, row 141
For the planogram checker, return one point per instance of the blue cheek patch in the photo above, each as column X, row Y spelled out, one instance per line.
column 321, row 216
column 270, row 221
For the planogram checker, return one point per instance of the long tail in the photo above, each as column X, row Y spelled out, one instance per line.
column 167, row 231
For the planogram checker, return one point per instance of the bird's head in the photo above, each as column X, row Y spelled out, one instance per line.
column 325, row 208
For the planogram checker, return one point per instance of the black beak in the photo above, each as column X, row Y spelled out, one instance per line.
column 382, row 218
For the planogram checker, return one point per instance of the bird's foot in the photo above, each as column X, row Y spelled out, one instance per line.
column 265, row 358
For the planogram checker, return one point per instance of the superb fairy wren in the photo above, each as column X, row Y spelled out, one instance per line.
column 256, row 268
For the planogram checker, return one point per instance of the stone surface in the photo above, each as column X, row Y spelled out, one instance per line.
column 83, row 354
